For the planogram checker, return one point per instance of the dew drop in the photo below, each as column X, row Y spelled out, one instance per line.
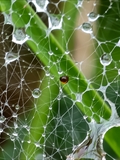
column 17, row 107
column 93, row 16
column 44, row 155
column 14, row 115
column 1, row 130
column 2, row 119
column 118, row 43
column 53, row 144
column 43, row 135
column 64, row 79
column 118, row 71
column 36, row 93
column 47, row 74
column 80, row 2
column 12, row 138
column 29, row 141
column 50, row 53
column 60, row 72
column 50, row 108
column 87, row 28
column 7, row 19
column 19, row 36
column 41, row 3
column 55, row 22
column 15, row 125
column 37, row 144
column 69, row 18
column 105, row 59
column 15, row 134
column 67, row 52
column 11, row 57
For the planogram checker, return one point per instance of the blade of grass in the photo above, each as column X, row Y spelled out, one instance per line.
column 5, row 5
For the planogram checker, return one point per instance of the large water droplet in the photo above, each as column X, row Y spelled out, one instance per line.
column 19, row 36
column 2, row 119
column 41, row 3
column 80, row 2
column 36, row 93
column 93, row 16
column 87, row 28
column 10, row 57
column 105, row 59
column 7, row 19
column 55, row 22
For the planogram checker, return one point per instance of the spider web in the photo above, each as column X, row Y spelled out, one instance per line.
column 38, row 119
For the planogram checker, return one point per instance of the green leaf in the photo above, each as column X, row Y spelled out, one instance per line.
column 5, row 5
column 113, row 140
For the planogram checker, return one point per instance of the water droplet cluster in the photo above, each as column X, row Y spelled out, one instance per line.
column 49, row 105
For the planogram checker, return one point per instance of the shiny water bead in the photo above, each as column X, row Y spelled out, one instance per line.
column 1, row 130
column 55, row 22
column 87, row 28
column 118, row 71
column 118, row 43
column 41, row 3
column 64, row 79
column 80, row 2
column 93, row 16
column 36, row 93
column 7, row 19
column 19, row 36
column 2, row 119
column 17, row 107
column 10, row 57
column 105, row 59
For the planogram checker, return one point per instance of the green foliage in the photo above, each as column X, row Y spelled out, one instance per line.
column 41, row 45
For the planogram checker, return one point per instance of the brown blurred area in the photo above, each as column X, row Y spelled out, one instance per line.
column 84, row 44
